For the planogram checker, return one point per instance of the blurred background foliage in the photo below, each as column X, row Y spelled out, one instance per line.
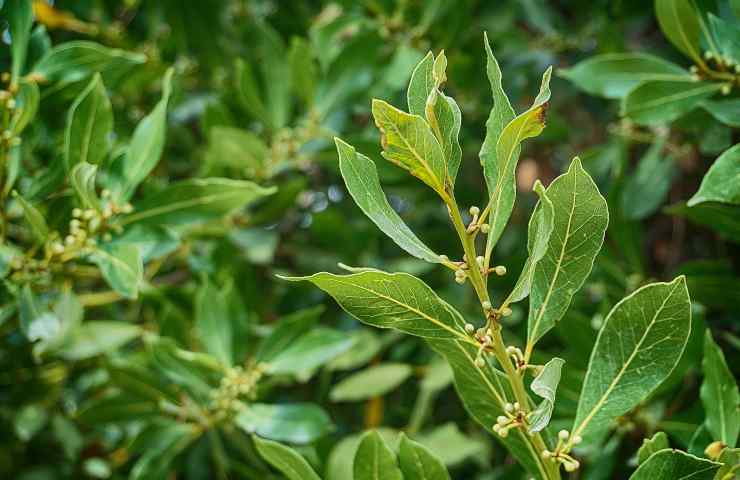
column 260, row 89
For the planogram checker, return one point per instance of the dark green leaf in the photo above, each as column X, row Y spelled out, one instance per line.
column 89, row 126
column 722, row 182
column 418, row 463
column 720, row 395
column 286, row 460
column 374, row 460
column 294, row 423
column 675, row 465
column 655, row 102
column 374, row 381
column 121, row 266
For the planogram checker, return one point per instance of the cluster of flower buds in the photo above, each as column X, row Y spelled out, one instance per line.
column 475, row 224
column 517, row 357
column 484, row 337
column 514, row 417
column 560, row 454
column 237, row 383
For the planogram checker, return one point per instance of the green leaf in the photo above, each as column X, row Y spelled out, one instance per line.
column 613, row 75
column 121, row 267
column 89, row 126
column 82, row 178
column 727, row 35
column 146, row 146
column 294, row 422
column 276, row 74
column 726, row 111
column 19, row 15
column 651, row 445
column 638, row 346
column 420, row 85
column 730, row 459
column 286, row 460
column 500, row 175
column 365, row 346
column 303, row 70
column 361, row 177
column 680, row 24
column 545, row 385
column 249, row 92
column 418, row 463
column 675, row 465
column 719, row 395
column 392, row 300
column 374, row 460
column 722, row 182
column 288, row 329
column 73, row 61
column 36, row 321
column 647, row 187
column 26, row 106
column 161, row 443
column 541, row 224
column 408, row 142
column 657, row 102
column 310, row 351
column 152, row 241
column 235, row 147
column 374, row 381
column 35, row 220
column 68, row 312
column 580, row 221
column 195, row 200
column 444, row 118
column 721, row 217
column 213, row 322
column 93, row 338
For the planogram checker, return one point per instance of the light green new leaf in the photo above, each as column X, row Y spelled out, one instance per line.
column 651, row 445
column 408, row 142
column 501, row 173
column 73, row 61
column 19, row 15
column 121, row 267
column 613, row 75
column 249, row 92
column 545, row 385
column 35, row 220
column 680, row 24
column 675, row 465
column 392, row 300
column 647, row 187
column 276, row 74
column 89, row 125
column 444, row 118
column 286, row 460
column 361, row 177
column 288, row 329
column 540, row 228
column 146, row 145
column 720, row 395
column 82, row 178
column 235, row 147
column 374, row 381
column 27, row 104
column 640, row 343
column 420, row 85
column 97, row 337
column 310, row 351
column 661, row 101
column 374, row 460
column 580, row 221
column 292, row 422
column 418, row 463
column 213, row 322
column 722, row 182
column 303, row 70
column 726, row 111
column 196, row 200
column 36, row 321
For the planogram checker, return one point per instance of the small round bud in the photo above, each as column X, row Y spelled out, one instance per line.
column 69, row 240
column 76, row 212
column 500, row 270
column 506, row 311
column 444, row 258
column 569, row 467
column 479, row 260
column 479, row 362
column 10, row 104
column 496, row 428
column 486, row 305
column 516, row 405
column 474, row 211
column 511, row 350
column 107, row 237
column 469, row 328
column 726, row 89
column 503, row 433
column 88, row 214
column 563, row 435
column 577, row 439
column 7, row 135
column 708, row 55
column 57, row 247
column 105, row 193
column 484, row 228
column 546, row 454
column 460, row 273
column 502, row 419
column 460, row 280
column 487, row 340
column 509, row 407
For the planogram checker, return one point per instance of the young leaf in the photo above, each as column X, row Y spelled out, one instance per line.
column 73, row 61
column 97, row 337
column 249, row 92
column 444, row 118
column 292, row 422
column 722, row 182
column 501, row 174
column 310, row 351
column 35, row 220
column 540, row 228
column 89, row 125
column 720, row 395
column 646, row 189
column 680, row 24
column 275, row 74
column 392, row 300
column 638, row 346
column 675, row 465
column 27, row 104
column 374, row 460
column 408, row 142
column 286, row 460
column 726, row 111
column 421, row 85
column 82, row 178
column 580, row 220
column 545, row 385
column 303, row 71
column 657, row 442
column 19, row 15
column 374, row 381
column 418, row 463
column 213, row 322
column 661, row 101
column 121, row 267
column 613, row 75
column 361, row 177
column 195, row 200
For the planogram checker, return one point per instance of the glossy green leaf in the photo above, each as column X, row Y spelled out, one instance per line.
column 286, row 460
column 82, row 178
column 159, row 446
column 121, row 267
column 638, row 346
column 366, row 345
column 195, row 200
column 73, row 61
column 361, row 177
column 720, row 217
column 276, row 74
column 19, row 15
column 213, row 322
column 374, row 460
column 655, row 102
column 293, row 422
column 418, row 463
column 35, row 220
column 89, row 126
column 675, row 465
column 303, row 70
column 726, row 111
column 392, row 300
column 501, row 174
column 27, row 104
column 580, row 221
column 727, row 35
column 408, row 142
column 545, row 385
column 93, row 338
column 722, row 182
column 249, row 92
column 647, row 187
column 288, row 330
column 651, row 445
column 719, row 395
column 374, row 381
column 613, row 75
column 680, row 24
column 310, row 351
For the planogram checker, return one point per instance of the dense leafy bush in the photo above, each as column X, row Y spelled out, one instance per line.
column 172, row 174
